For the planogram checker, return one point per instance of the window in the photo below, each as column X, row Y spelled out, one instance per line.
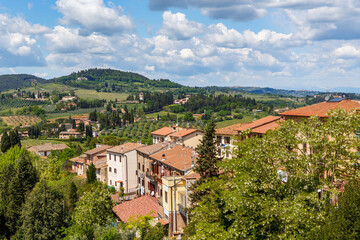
column 109, row 169
column 110, row 182
column 114, row 170
column 143, row 168
column 138, row 180
column 114, row 158
column 166, row 196
column 227, row 154
column 219, row 139
column 115, row 184
column 109, row 156
column 227, row 140
column 139, row 166
column 119, row 158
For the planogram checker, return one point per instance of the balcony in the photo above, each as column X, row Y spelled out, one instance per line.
column 182, row 210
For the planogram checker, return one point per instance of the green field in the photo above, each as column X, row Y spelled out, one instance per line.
column 32, row 142
column 72, row 113
column 162, row 113
column 93, row 94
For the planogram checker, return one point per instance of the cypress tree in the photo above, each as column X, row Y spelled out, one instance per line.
column 207, row 159
column 5, row 179
column 73, row 196
column 5, row 142
column 20, row 185
column 91, row 173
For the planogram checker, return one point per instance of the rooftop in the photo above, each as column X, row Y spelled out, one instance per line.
column 184, row 132
column 151, row 149
column 126, row 147
column 266, row 127
column 229, row 130
column 178, row 157
column 48, row 147
column 321, row 109
column 142, row 206
column 98, row 149
column 258, row 123
column 163, row 131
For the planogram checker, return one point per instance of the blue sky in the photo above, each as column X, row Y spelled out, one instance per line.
column 292, row 44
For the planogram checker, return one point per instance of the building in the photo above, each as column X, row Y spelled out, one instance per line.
column 141, row 96
column 68, row 134
column 260, row 126
column 98, row 157
column 69, row 98
column 179, row 160
column 225, row 139
column 142, row 206
column 145, row 165
column 188, row 137
column 122, row 167
column 321, row 109
column 175, row 200
column 162, row 134
column 44, row 150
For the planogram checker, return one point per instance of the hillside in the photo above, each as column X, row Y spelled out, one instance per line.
column 267, row 90
column 12, row 81
column 112, row 80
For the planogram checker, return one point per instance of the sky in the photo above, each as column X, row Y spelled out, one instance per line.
column 289, row 44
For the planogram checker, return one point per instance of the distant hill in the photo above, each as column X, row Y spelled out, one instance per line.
column 266, row 90
column 113, row 80
column 13, row 81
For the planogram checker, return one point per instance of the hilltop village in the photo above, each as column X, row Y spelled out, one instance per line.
column 155, row 179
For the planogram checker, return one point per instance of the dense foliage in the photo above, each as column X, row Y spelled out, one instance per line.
column 277, row 178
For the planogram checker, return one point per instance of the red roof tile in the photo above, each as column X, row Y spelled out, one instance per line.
column 178, row 157
column 142, row 206
column 151, row 149
column 321, row 109
column 229, row 130
column 184, row 132
column 266, row 127
column 163, row 131
column 258, row 123
column 98, row 149
column 126, row 147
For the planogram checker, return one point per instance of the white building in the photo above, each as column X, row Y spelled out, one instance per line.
column 122, row 167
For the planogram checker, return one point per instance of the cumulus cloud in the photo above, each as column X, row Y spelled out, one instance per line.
column 347, row 51
column 95, row 16
column 238, row 13
column 175, row 25
column 18, row 46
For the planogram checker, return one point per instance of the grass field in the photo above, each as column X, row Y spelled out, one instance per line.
column 21, row 120
column 32, row 142
column 93, row 94
column 77, row 112
column 162, row 113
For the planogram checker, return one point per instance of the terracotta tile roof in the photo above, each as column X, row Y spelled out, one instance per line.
column 229, row 130
column 264, row 128
column 97, row 150
column 126, row 147
column 321, row 109
column 184, row 132
column 163, row 131
column 178, row 157
column 151, row 149
column 78, row 159
column 258, row 123
column 48, row 147
column 69, row 133
column 192, row 176
column 142, row 206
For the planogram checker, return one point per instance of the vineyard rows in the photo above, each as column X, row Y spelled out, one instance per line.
column 17, row 103
column 21, row 120
column 142, row 130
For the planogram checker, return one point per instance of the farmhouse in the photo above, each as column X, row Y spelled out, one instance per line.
column 44, row 150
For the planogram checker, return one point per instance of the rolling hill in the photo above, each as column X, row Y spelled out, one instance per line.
column 13, row 81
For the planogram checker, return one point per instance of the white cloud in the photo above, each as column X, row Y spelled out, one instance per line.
column 149, row 68
column 175, row 25
column 95, row 16
column 347, row 51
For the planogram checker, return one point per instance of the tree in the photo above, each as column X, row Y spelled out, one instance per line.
column 276, row 178
column 43, row 214
column 5, row 142
column 93, row 208
column 93, row 116
column 91, row 174
column 73, row 195
column 344, row 218
column 20, row 185
column 207, row 162
column 14, row 138
column 188, row 117
column 88, row 131
column 7, row 173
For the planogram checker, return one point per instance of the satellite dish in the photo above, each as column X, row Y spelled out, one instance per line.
column 327, row 98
